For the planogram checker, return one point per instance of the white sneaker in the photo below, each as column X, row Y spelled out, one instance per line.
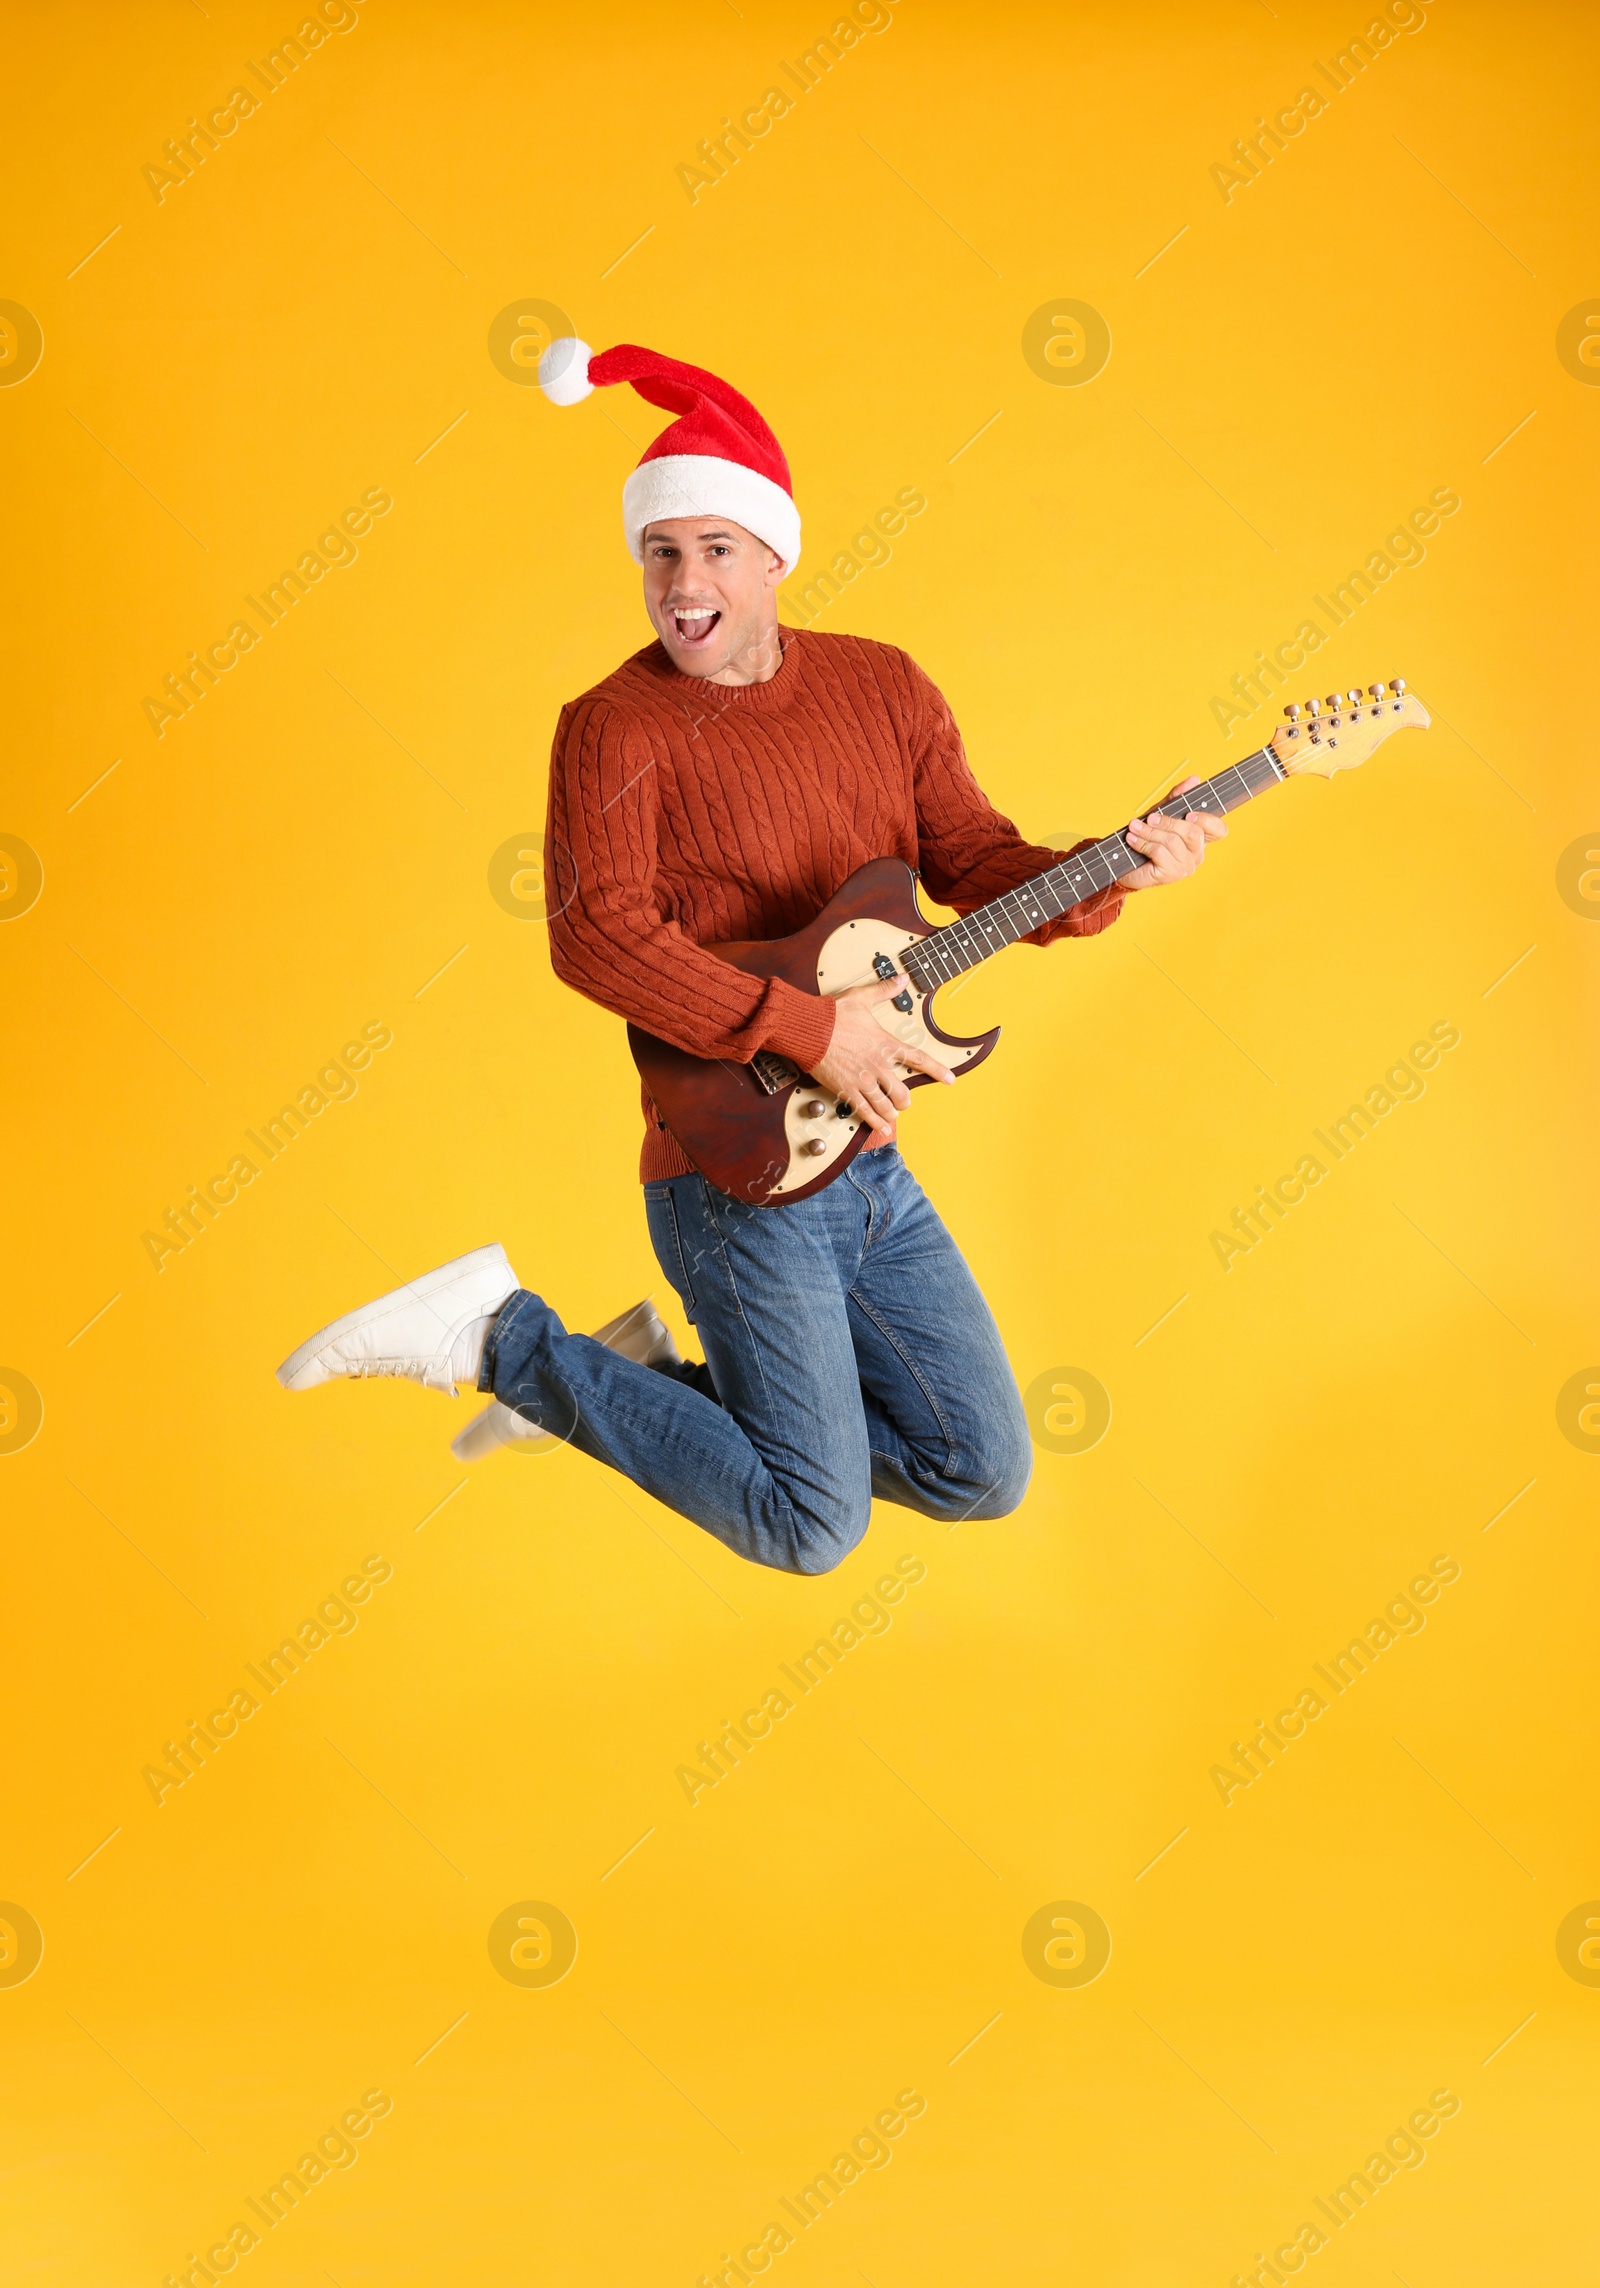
column 639, row 1334
column 432, row 1330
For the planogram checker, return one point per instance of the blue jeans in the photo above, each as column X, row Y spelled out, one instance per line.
column 850, row 1350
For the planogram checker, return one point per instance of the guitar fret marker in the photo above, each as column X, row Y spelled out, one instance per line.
column 762, row 1145
column 961, row 944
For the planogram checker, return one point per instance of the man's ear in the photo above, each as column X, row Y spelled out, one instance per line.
column 774, row 567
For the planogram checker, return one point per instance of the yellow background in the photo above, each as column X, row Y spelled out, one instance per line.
column 304, row 320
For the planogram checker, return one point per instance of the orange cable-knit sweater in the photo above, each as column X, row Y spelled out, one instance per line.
column 685, row 813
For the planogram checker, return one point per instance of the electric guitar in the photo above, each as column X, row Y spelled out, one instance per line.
column 765, row 1133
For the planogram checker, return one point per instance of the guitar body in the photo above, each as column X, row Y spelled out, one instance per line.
column 765, row 1133
column 754, row 1130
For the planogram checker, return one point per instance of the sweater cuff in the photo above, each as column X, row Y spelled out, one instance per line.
column 803, row 1029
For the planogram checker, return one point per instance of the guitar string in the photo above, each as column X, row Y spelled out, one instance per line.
column 955, row 948
column 953, row 944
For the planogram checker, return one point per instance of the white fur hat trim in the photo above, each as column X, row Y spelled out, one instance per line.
column 699, row 484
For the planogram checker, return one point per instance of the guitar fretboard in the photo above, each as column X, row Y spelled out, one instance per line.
column 960, row 945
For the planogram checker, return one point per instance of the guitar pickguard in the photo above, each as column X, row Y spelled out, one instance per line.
column 749, row 1128
column 753, row 1133
column 844, row 961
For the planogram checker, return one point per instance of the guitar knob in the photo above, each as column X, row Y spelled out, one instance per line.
column 815, row 1109
column 814, row 1149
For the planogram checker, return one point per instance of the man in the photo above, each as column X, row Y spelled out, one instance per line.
column 721, row 785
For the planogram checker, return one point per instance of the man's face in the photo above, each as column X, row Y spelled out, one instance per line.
column 710, row 588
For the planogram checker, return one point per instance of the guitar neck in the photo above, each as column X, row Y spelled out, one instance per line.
column 961, row 945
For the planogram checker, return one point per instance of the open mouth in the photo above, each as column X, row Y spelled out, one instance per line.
column 695, row 623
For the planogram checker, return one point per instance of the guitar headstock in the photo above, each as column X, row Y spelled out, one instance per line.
column 1337, row 733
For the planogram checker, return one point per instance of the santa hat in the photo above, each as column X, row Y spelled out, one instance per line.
column 718, row 458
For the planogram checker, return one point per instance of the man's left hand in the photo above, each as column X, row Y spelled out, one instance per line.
column 1171, row 847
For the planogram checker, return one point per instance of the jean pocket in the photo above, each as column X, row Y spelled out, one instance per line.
column 661, row 1217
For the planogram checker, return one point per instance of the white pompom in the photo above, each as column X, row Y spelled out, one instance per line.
column 564, row 371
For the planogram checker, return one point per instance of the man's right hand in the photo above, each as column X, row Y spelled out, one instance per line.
column 865, row 1066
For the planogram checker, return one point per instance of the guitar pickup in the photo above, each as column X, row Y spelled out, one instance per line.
column 886, row 969
column 773, row 1073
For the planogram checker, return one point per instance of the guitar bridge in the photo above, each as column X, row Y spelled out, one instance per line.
column 773, row 1073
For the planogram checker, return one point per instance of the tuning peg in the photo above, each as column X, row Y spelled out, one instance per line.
column 1293, row 714
column 1355, row 700
column 1397, row 684
column 1313, row 708
column 1376, row 691
column 1332, row 701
